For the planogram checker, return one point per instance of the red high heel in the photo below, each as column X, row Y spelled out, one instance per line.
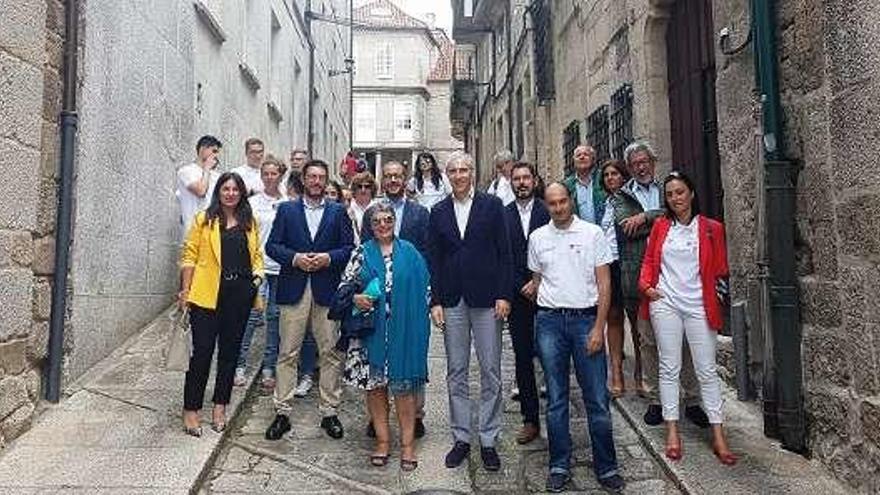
column 674, row 453
column 727, row 458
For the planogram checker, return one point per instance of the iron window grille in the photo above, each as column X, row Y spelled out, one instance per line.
column 597, row 132
column 543, row 47
column 621, row 120
column 571, row 138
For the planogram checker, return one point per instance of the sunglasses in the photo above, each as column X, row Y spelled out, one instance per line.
column 382, row 221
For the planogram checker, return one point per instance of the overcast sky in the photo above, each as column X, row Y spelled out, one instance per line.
column 418, row 8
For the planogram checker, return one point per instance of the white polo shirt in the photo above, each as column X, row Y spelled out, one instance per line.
column 251, row 176
column 567, row 260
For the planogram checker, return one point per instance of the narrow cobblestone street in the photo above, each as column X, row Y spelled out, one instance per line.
column 307, row 461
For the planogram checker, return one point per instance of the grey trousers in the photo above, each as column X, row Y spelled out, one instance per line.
column 463, row 324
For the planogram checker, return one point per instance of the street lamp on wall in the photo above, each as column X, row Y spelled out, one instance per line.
column 349, row 68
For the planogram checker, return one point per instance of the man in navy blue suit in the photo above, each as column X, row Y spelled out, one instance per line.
column 411, row 225
column 312, row 240
column 471, row 268
column 524, row 215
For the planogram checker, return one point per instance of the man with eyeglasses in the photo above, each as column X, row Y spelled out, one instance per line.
column 411, row 225
column 641, row 205
column 312, row 240
column 585, row 186
column 471, row 267
column 254, row 151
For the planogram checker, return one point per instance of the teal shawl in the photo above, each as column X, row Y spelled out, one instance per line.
column 408, row 329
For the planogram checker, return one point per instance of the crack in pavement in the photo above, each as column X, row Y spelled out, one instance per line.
column 127, row 402
column 310, row 468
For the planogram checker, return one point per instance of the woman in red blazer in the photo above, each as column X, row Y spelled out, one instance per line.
column 684, row 261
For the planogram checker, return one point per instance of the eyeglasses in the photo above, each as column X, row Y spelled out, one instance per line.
column 392, row 177
column 363, row 186
column 382, row 221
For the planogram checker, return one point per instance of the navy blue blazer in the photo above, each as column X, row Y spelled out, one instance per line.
column 290, row 235
column 519, row 245
column 413, row 229
column 477, row 268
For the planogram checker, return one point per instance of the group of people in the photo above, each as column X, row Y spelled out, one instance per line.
column 561, row 267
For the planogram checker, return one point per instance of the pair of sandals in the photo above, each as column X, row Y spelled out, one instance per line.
column 196, row 431
column 380, row 460
column 728, row 458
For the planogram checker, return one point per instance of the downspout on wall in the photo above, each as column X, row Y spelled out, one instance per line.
column 783, row 398
column 311, row 99
column 67, row 131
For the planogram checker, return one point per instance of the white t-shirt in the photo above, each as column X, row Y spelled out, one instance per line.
column 567, row 260
column 251, row 177
column 680, row 282
column 501, row 188
column 190, row 204
column 609, row 228
column 429, row 195
column 264, row 208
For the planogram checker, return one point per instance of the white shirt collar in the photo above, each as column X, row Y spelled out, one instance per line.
column 313, row 206
column 528, row 207
column 467, row 199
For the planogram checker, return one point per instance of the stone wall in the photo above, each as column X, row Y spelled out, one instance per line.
column 830, row 82
column 30, row 101
column 828, row 79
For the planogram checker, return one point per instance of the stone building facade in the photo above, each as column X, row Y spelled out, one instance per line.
column 31, row 36
column 539, row 76
column 152, row 78
column 401, row 86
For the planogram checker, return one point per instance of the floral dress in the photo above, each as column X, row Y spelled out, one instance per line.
column 357, row 371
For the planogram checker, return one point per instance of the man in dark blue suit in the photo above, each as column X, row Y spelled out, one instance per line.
column 411, row 225
column 524, row 215
column 471, row 268
column 312, row 240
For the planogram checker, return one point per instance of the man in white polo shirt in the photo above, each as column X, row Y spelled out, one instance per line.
column 254, row 152
column 570, row 259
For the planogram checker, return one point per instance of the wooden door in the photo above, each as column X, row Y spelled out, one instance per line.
column 692, row 111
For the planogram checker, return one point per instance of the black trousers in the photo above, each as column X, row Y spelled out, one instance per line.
column 223, row 328
column 522, row 333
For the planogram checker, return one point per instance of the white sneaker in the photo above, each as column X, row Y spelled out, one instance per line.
column 239, row 380
column 305, row 384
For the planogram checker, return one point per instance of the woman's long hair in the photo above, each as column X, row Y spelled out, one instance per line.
column 695, row 202
column 243, row 213
column 435, row 171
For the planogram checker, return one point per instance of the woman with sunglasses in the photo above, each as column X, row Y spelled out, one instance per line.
column 686, row 259
column 428, row 185
column 363, row 188
column 221, row 267
column 397, row 348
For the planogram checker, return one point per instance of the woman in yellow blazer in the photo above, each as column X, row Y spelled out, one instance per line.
column 221, row 268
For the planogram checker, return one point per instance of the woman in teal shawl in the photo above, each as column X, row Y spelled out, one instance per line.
column 397, row 349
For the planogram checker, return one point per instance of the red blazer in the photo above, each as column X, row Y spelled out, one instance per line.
column 713, row 264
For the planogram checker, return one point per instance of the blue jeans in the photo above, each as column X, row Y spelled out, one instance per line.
column 308, row 355
column 562, row 338
column 270, row 353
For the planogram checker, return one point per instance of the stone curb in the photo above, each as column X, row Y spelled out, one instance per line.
column 635, row 422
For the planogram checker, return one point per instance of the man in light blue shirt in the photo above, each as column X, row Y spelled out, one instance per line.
column 585, row 186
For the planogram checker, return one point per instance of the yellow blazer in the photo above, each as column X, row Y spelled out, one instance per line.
column 202, row 252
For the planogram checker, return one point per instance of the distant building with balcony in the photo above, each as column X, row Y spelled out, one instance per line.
column 401, row 86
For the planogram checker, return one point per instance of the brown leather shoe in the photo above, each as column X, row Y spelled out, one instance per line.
column 527, row 433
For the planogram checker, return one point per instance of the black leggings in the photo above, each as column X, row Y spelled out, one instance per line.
column 223, row 327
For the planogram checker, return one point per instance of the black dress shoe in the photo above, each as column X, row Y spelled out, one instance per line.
column 278, row 428
column 458, row 454
column 489, row 455
column 333, row 427
column 697, row 416
column 420, row 428
column 613, row 484
column 654, row 415
column 556, row 482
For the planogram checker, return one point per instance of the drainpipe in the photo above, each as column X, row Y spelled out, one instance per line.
column 351, row 75
column 63, row 220
column 311, row 126
column 785, row 411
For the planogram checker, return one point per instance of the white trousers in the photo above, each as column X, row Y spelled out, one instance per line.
column 670, row 324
